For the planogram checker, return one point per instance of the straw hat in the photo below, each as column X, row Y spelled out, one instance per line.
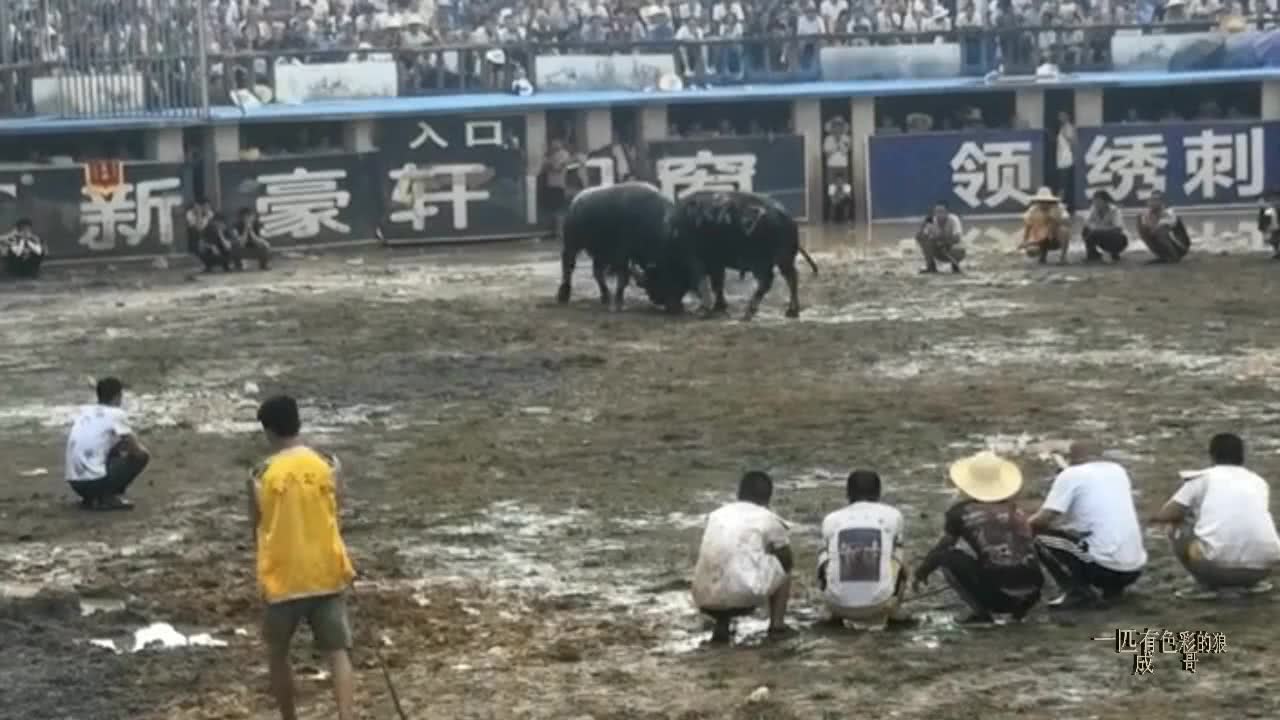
column 986, row 477
column 1044, row 195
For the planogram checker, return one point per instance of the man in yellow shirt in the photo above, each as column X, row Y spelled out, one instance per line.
column 1046, row 227
column 303, row 567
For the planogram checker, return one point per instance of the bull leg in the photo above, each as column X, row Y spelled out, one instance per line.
column 598, row 270
column 792, row 279
column 623, row 279
column 568, row 260
column 764, row 282
column 717, row 287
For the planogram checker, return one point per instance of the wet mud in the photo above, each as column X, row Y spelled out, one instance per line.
column 528, row 481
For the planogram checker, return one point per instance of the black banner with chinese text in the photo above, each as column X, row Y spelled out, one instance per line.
column 307, row 199
column 769, row 165
column 137, row 211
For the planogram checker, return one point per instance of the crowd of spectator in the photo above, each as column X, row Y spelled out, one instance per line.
column 445, row 44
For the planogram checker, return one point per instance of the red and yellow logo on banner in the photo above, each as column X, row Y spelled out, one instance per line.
column 103, row 177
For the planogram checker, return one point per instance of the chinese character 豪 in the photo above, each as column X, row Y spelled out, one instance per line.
column 1168, row 642
column 415, row 187
column 1127, row 641
column 999, row 170
column 1224, row 160
column 301, row 202
column 106, row 214
column 428, row 133
column 679, row 176
column 1117, row 164
column 484, row 132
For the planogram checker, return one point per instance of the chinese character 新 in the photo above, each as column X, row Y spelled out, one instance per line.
column 484, row 132
column 679, row 176
column 1224, row 161
column 992, row 173
column 415, row 188
column 426, row 132
column 301, row 202
column 106, row 214
column 1126, row 164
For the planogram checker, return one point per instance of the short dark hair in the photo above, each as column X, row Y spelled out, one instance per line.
column 942, row 204
column 863, row 485
column 245, row 211
column 23, row 222
column 279, row 416
column 109, row 390
column 755, row 486
column 1227, row 449
column 1102, row 195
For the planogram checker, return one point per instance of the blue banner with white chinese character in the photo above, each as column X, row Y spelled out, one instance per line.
column 770, row 165
column 983, row 172
column 1221, row 163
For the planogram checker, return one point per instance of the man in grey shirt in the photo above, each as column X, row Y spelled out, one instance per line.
column 939, row 239
column 1104, row 229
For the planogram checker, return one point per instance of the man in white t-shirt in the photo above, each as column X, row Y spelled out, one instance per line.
column 860, row 568
column 1087, row 531
column 744, row 561
column 1222, row 529
column 103, row 455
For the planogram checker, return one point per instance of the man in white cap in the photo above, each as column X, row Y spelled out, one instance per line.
column 1220, row 522
column 1045, row 227
column 744, row 561
column 1087, row 531
column 1001, row 573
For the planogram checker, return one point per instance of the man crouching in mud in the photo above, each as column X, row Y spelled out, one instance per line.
column 1163, row 232
column 745, row 560
column 303, row 567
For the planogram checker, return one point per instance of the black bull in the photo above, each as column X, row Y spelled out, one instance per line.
column 625, row 228
column 719, row 230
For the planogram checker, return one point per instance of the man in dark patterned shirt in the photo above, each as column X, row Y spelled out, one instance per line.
column 1000, row 573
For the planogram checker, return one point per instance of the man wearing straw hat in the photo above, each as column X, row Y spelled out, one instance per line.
column 1046, row 227
column 1001, row 573
column 744, row 561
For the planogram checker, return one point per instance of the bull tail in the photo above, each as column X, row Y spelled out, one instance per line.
column 808, row 259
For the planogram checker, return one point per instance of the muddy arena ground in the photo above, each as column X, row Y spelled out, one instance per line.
column 528, row 481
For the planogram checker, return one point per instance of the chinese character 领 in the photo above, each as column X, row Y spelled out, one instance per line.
column 416, row 188
column 301, row 202
column 484, row 132
column 992, row 173
column 1223, row 161
column 679, row 176
column 105, row 215
column 1127, row 164
column 427, row 133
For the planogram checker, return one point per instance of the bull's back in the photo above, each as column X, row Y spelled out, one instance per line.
column 617, row 222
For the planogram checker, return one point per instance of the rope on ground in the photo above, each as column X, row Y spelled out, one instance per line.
column 386, row 674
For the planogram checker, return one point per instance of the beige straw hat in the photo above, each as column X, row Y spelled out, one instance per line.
column 1044, row 194
column 986, row 477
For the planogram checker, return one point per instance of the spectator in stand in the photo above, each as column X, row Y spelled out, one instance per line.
column 691, row 54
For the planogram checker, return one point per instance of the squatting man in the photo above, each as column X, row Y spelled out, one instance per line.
column 1085, row 536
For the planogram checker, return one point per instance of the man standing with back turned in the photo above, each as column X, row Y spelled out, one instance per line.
column 303, row 568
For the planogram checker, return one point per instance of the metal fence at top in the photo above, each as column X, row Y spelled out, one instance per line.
column 110, row 58
column 102, row 58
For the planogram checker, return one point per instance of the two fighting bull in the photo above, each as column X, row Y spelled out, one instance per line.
column 633, row 232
